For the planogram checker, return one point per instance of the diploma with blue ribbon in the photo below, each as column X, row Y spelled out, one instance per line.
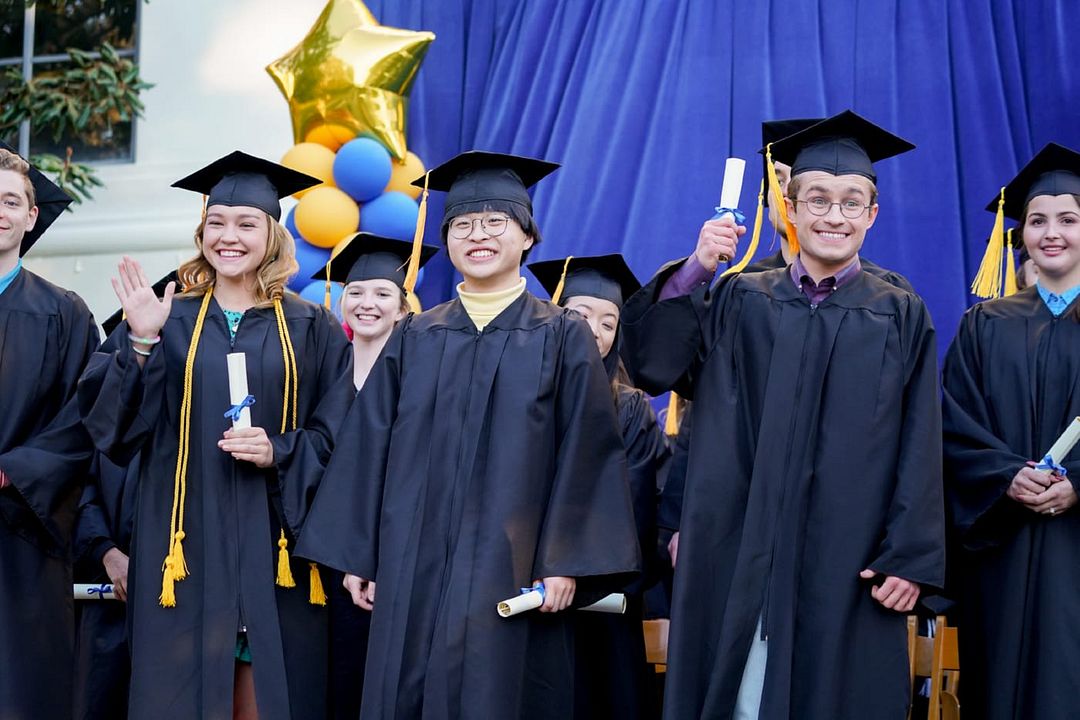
column 531, row 598
column 239, row 399
column 100, row 591
column 731, row 190
column 1051, row 462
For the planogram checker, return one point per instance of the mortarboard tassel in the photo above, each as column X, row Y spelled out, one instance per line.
column 326, row 297
column 557, row 295
column 778, row 200
column 1010, row 266
column 413, row 271
column 987, row 283
column 671, row 422
column 754, row 237
column 316, row 594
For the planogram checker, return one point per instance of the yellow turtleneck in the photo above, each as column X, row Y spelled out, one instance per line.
column 485, row 307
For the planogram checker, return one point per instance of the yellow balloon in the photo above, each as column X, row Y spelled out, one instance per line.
column 325, row 215
column 403, row 173
column 353, row 72
column 312, row 159
column 330, row 136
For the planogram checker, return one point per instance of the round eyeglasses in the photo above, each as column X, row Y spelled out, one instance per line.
column 492, row 225
column 821, row 207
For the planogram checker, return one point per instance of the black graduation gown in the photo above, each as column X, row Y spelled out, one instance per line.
column 613, row 678
column 776, row 260
column 102, row 658
column 846, row 476
column 472, row 463
column 46, row 336
column 183, row 657
column 1010, row 389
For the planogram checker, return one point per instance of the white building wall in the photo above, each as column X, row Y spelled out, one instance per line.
column 211, row 95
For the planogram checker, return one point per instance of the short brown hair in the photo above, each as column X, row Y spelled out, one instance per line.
column 15, row 163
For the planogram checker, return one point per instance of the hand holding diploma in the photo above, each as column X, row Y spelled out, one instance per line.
column 536, row 596
column 1040, row 486
column 244, row 442
column 719, row 236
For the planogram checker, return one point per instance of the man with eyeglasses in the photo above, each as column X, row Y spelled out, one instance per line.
column 813, row 514
column 487, row 458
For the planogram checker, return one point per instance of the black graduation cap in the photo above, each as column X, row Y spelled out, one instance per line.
column 51, row 202
column 373, row 257
column 844, row 144
column 773, row 131
column 602, row 276
column 1055, row 170
column 115, row 319
column 239, row 179
column 477, row 177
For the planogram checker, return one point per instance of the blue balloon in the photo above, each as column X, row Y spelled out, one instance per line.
column 362, row 169
column 316, row 292
column 311, row 260
column 290, row 223
column 391, row 215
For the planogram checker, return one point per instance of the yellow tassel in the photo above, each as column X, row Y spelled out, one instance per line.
column 754, row 236
column 316, row 594
column 168, row 584
column 326, row 297
column 284, row 571
column 557, row 295
column 1010, row 266
column 987, row 283
column 180, row 568
column 777, row 197
column 413, row 271
column 671, row 422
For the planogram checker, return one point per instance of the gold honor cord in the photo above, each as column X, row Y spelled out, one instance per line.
column 987, row 283
column 175, row 568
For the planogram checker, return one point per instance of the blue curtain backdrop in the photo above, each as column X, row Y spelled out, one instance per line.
column 642, row 100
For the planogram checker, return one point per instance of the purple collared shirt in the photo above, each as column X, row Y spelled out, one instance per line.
column 686, row 279
column 817, row 292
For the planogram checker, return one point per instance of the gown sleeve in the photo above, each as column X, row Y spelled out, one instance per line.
column 646, row 449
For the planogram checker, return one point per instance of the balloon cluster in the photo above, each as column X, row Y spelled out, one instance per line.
column 363, row 189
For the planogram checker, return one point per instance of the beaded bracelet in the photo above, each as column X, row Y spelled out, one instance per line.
column 137, row 351
column 144, row 341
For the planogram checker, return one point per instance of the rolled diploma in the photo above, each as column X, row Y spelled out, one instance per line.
column 1064, row 444
column 238, row 387
column 731, row 189
column 85, row 591
column 614, row 603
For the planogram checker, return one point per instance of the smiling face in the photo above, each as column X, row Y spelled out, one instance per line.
column 234, row 241
column 828, row 243
column 487, row 263
column 16, row 214
column 1052, row 239
column 371, row 308
column 602, row 316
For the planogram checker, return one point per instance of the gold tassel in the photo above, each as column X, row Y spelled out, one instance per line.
column 316, row 594
column 778, row 200
column 168, row 584
column 326, row 297
column 557, row 295
column 1010, row 266
column 754, row 236
column 671, row 422
column 284, row 571
column 987, row 283
column 413, row 271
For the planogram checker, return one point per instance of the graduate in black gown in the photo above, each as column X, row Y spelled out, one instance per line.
column 1010, row 389
column 813, row 511
column 223, row 622
column 377, row 286
column 613, row 678
column 481, row 456
column 772, row 131
column 46, row 337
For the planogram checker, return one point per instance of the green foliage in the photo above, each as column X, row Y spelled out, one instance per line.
column 83, row 99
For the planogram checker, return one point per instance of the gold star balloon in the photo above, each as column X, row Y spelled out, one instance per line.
column 351, row 76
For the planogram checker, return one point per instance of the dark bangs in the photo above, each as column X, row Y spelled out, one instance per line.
column 517, row 213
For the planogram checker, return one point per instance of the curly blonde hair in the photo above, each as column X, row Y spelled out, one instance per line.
column 197, row 275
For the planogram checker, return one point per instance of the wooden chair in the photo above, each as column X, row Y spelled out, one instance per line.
column 937, row 658
column 656, row 637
